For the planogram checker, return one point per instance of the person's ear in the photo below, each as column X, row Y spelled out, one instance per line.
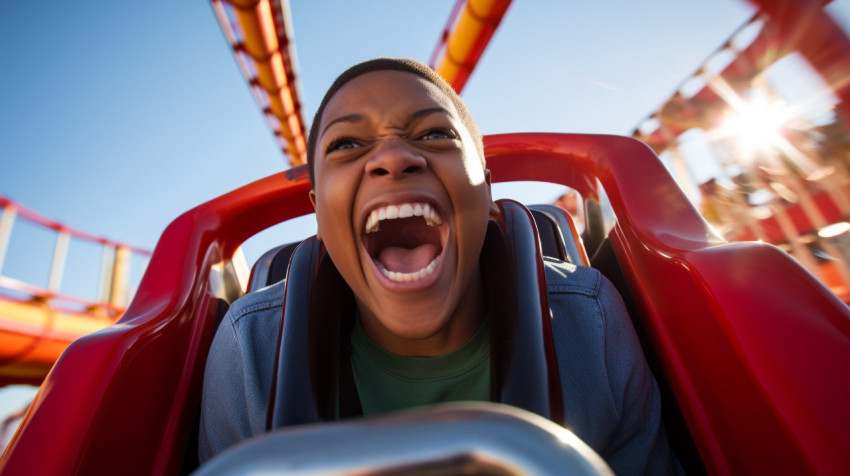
column 494, row 209
column 312, row 195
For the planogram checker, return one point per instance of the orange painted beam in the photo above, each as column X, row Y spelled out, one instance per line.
column 464, row 40
column 258, row 32
column 33, row 334
column 37, row 323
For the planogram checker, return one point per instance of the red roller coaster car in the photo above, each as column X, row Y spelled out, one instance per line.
column 752, row 353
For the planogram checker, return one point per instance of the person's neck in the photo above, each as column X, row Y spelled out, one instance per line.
column 461, row 326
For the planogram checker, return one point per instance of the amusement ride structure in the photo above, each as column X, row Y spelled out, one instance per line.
column 38, row 322
column 741, row 400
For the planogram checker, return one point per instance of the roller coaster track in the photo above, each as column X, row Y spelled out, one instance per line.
column 260, row 34
column 37, row 321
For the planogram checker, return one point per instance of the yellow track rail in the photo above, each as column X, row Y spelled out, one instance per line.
column 259, row 34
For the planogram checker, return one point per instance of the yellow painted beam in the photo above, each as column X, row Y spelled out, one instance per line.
column 466, row 42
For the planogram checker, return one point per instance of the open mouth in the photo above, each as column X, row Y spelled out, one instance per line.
column 405, row 241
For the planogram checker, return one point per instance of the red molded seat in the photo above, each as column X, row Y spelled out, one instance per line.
column 755, row 350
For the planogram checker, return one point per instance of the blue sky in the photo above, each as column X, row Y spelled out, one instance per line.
column 116, row 117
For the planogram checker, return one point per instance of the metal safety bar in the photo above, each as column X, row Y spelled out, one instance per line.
column 453, row 438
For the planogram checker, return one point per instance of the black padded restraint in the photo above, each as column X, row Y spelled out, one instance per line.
column 530, row 378
column 317, row 308
column 349, row 399
column 313, row 363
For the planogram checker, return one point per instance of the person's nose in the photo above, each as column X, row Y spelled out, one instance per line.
column 395, row 159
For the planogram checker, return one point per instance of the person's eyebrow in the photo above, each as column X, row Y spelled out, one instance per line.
column 357, row 117
column 346, row 118
column 425, row 112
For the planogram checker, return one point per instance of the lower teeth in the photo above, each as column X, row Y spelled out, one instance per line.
column 408, row 277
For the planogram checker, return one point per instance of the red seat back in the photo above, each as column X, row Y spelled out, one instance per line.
column 755, row 349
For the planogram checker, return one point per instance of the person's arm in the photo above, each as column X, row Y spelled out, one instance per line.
column 224, row 420
column 237, row 378
column 639, row 446
column 610, row 397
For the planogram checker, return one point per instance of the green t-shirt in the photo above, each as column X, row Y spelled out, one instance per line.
column 387, row 382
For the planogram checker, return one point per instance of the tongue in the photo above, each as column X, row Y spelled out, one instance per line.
column 404, row 260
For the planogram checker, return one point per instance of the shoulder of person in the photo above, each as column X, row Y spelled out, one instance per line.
column 566, row 278
column 269, row 298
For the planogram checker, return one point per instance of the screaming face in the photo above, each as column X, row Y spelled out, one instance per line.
column 404, row 240
column 402, row 201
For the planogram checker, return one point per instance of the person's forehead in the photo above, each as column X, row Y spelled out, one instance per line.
column 411, row 88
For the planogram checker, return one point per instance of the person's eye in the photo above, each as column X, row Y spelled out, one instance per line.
column 438, row 133
column 342, row 144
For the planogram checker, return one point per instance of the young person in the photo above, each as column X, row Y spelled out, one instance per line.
column 402, row 199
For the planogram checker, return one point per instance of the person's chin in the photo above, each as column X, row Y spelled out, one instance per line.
column 411, row 325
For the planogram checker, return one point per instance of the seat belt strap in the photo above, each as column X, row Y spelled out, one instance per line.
column 349, row 400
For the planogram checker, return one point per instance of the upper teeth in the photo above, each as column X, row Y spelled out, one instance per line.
column 404, row 210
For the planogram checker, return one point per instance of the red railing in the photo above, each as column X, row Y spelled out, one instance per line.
column 114, row 290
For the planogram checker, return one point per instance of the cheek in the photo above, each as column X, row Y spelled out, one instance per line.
column 329, row 203
column 472, row 204
column 334, row 205
column 334, row 196
column 470, row 199
column 472, row 165
column 474, row 170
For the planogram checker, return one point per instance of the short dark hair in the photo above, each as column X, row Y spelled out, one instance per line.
column 391, row 64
